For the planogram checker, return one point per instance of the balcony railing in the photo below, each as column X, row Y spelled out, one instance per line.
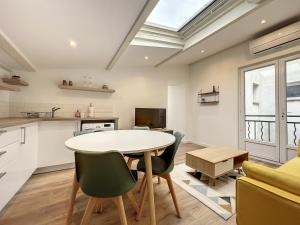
column 262, row 128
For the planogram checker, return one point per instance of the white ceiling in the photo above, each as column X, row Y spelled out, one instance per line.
column 7, row 62
column 135, row 55
column 41, row 29
column 275, row 12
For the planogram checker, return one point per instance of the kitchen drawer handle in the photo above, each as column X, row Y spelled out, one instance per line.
column 23, row 142
column 2, row 174
column 3, row 131
column 2, row 153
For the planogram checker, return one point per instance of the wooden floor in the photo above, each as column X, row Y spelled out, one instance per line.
column 43, row 201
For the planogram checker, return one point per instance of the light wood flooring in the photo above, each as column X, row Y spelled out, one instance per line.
column 43, row 201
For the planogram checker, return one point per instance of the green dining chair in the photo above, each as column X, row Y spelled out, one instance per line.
column 76, row 186
column 101, row 176
column 162, row 166
column 135, row 156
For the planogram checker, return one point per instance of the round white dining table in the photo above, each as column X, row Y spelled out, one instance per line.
column 126, row 141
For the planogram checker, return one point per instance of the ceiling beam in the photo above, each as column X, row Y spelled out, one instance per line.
column 6, row 68
column 13, row 51
column 139, row 22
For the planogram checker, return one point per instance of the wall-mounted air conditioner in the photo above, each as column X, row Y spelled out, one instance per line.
column 275, row 39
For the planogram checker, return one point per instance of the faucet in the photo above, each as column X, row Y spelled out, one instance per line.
column 53, row 111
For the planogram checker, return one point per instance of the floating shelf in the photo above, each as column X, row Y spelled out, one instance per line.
column 7, row 87
column 13, row 81
column 211, row 97
column 210, row 102
column 81, row 88
column 210, row 93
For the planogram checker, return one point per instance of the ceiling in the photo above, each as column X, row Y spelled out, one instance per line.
column 245, row 28
column 135, row 55
column 275, row 12
column 7, row 62
column 42, row 29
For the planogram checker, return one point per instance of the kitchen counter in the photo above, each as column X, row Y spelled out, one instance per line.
column 16, row 121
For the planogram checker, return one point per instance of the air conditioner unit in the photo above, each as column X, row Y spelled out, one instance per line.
column 275, row 39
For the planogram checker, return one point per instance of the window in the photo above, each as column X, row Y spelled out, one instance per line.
column 174, row 14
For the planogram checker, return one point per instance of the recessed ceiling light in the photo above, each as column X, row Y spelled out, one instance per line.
column 146, row 57
column 73, row 44
column 263, row 21
column 202, row 51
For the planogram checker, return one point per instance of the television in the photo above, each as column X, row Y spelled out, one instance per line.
column 151, row 117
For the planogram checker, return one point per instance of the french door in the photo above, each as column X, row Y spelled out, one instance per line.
column 269, row 123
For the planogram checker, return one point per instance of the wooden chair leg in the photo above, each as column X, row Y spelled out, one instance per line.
column 133, row 202
column 119, row 202
column 98, row 206
column 142, row 184
column 129, row 162
column 142, row 202
column 75, row 187
column 158, row 178
column 171, row 188
column 88, row 211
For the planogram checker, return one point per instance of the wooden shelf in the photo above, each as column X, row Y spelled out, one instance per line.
column 7, row 87
column 12, row 81
column 81, row 88
column 210, row 102
column 209, row 93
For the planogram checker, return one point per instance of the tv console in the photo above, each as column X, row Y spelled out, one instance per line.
column 163, row 130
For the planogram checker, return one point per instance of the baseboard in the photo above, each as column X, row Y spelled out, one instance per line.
column 48, row 169
column 264, row 160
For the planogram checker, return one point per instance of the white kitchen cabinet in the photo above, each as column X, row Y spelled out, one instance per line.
column 17, row 158
column 29, row 146
column 52, row 136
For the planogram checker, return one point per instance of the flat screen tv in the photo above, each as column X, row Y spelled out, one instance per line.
column 151, row 117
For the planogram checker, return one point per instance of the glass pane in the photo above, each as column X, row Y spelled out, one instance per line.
column 293, row 101
column 260, row 104
column 174, row 14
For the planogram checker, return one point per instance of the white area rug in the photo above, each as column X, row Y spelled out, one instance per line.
column 219, row 198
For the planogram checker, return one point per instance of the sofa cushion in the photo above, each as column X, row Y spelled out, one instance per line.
column 281, row 179
column 291, row 167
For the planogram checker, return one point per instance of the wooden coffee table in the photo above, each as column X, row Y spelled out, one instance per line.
column 215, row 162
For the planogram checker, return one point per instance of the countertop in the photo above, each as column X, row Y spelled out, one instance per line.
column 16, row 121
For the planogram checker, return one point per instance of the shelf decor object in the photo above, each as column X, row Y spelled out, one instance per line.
column 82, row 88
column 8, row 87
column 14, row 80
column 211, row 97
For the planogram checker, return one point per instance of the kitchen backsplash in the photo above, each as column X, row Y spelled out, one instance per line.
column 67, row 110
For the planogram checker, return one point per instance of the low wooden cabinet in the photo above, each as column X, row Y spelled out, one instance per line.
column 215, row 162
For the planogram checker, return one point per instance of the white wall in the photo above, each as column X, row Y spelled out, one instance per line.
column 4, row 98
column 135, row 87
column 218, row 124
column 177, row 106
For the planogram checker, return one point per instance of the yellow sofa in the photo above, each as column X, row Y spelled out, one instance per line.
column 267, row 196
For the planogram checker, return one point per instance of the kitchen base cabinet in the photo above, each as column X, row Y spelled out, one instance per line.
column 17, row 160
column 52, row 136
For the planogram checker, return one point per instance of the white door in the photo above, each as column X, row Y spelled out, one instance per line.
column 289, row 106
column 259, row 114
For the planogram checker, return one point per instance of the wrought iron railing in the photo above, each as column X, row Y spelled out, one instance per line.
column 262, row 128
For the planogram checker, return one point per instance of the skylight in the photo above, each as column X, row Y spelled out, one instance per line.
column 174, row 14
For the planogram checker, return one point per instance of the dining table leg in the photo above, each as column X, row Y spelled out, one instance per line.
column 148, row 164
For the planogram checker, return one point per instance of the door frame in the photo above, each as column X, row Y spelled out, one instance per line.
column 284, row 148
column 241, row 121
